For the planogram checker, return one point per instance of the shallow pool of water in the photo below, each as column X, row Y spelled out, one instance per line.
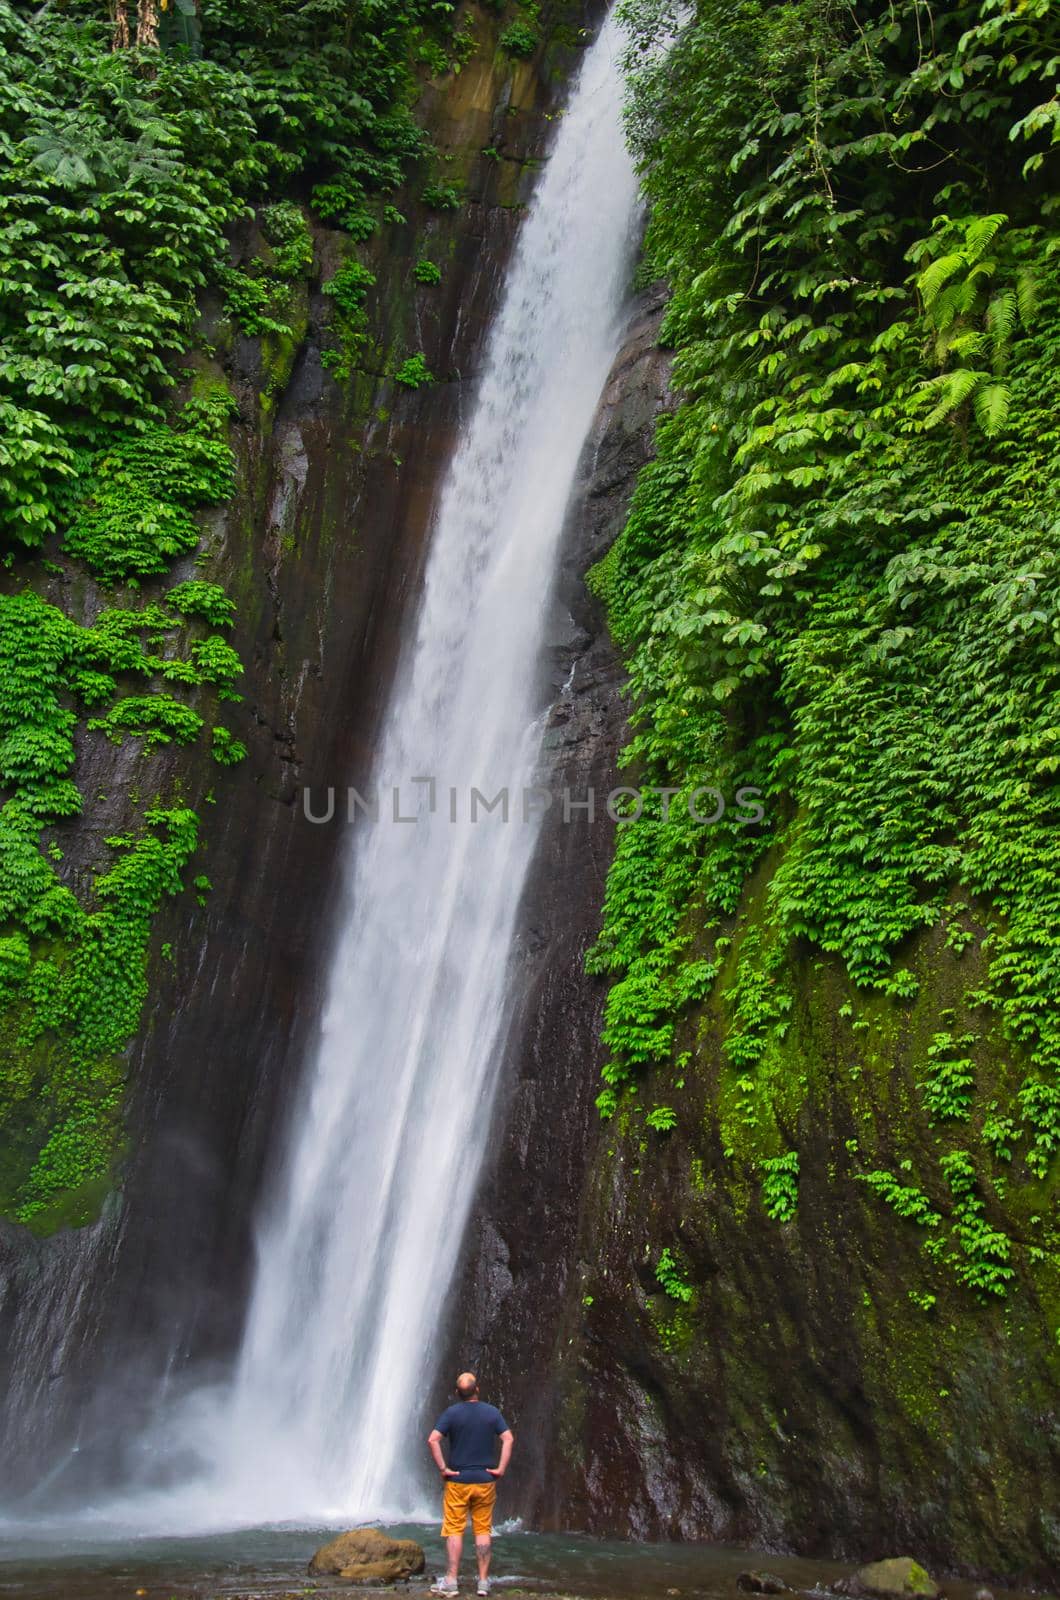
column 272, row 1561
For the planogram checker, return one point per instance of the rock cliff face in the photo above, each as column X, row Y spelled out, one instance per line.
column 807, row 1386
column 820, row 1390
column 322, row 550
column 800, row 1398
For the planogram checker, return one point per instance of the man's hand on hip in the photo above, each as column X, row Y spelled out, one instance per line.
column 450, row 1472
column 495, row 1472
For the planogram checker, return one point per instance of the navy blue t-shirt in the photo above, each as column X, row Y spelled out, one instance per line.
column 471, row 1427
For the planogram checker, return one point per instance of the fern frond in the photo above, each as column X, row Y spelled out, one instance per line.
column 947, row 307
column 981, row 232
column 934, row 278
column 966, row 345
column 991, row 407
column 968, row 292
column 1027, row 297
column 953, row 389
column 1001, row 320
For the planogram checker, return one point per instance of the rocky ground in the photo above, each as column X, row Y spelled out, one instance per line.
column 899, row 1578
column 539, row 1566
column 387, row 1592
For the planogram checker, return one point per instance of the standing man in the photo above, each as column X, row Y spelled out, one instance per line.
column 472, row 1428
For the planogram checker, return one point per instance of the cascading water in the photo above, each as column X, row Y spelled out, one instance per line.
column 359, row 1245
column 359, row 1249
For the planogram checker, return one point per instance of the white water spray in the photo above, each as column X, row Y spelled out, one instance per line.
column 359, row 1246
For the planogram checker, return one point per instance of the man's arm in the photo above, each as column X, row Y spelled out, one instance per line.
column 434, row 1445
column 507, row 1440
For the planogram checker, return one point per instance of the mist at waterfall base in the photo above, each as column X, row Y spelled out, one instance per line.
column 323, row 1418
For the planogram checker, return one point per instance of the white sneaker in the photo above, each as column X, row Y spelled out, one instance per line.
column 483, row 1586
column 444, row 1586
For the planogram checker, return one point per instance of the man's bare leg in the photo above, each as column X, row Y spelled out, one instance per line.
column 454, row 1545
column 482, row 1551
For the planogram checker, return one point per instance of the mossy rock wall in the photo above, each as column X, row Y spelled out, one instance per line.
column 821, row 1384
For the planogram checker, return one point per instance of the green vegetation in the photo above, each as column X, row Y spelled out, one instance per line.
column 122, row 173
column 840, row 581
column 427, row 272
column 413, row 373
column 780, row 1186
column 909, row 1203
column 259, row 298
column 73, row 970
column 440, row 196
column 131, row 150
column 141, row 490
column 949, row 1083
column 78, row 1003
column 519, row 40
column 671, row 1277
column 349, row 290
column 985, row 1252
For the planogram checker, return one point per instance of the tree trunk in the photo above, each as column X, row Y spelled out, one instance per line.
column 120, row 18
column 147, row 24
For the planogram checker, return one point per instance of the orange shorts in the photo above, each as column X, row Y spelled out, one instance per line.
column 462, row 1499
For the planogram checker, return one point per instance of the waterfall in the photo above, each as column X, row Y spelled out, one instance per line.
column 359, row 1248
column 359, row 1242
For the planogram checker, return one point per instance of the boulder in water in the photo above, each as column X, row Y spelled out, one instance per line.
column 367, row 1555
column 761, row 1583
column 900, row 1578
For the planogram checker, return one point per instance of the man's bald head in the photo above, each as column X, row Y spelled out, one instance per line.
column 467, row 1386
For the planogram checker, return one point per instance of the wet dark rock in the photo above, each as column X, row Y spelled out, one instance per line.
column 894, row 1579
column 367, row 1555
column 761, row 1583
